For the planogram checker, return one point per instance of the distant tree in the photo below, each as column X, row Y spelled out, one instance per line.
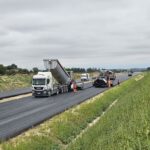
column 19, row 70
column 35, row 70
column 12, row 66
column 78, row 70
column 67, row 69
column 23, row 71
column 31, row 71
column 148, row 68
column 90, row 70
column 11, row 72
column 2, row 69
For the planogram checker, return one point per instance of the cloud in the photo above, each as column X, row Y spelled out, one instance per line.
column 80, row 33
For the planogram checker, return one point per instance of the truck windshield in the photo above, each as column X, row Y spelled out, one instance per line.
column 38, row 82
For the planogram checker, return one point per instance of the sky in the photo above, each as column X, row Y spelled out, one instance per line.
column 80, row 33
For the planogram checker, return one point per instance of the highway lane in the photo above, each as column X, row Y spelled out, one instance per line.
column 21, row 91
column 16, row 92
column 19, row 115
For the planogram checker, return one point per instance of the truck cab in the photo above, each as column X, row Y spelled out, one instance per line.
column 43, row 84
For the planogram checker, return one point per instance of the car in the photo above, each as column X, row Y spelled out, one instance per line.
column 129, row 74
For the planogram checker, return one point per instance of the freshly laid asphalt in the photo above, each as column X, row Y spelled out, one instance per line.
column 16, row 92
column 19, row 115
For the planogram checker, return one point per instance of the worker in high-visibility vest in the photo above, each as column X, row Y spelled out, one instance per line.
column 74, row 86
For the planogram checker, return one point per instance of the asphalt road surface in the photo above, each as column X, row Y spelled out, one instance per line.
column 19, row 115
column 15, row 92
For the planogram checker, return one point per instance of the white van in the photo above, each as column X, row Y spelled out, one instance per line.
column 85, row 77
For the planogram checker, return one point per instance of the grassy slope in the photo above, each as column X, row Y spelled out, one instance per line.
column 14, row 82
column 126, row 126
column 120, row 128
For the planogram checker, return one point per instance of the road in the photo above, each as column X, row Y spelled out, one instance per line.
column 20, row 115
column 16, row 92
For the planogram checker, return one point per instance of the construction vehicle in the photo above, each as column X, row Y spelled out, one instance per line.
column 100, row 82
column 54, row 81
column 109, row 74
column 105, row 79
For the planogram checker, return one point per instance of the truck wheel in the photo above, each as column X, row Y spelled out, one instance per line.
column 49, row 93
column 57, row 92
column 62, row 90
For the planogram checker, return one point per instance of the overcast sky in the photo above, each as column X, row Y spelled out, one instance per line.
column 80, row 33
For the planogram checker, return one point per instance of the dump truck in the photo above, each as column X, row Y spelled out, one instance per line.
column 54, row 80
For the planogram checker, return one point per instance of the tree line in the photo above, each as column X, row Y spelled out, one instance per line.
column 13, row 69
column 83, row 70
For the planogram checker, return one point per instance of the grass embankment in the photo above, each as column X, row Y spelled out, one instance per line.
column 124, row 126
column 14, row 82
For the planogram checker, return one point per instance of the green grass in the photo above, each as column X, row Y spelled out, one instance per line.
column 34, row 143
column 14, row 82
column 125, row 127
column 69, row 125
column 116, row 130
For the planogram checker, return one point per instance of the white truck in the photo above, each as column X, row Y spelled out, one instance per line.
column 56, row 80
column 85, row 77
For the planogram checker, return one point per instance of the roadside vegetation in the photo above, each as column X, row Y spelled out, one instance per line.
column 12, row 77
column 124, row 126
column 12, row 82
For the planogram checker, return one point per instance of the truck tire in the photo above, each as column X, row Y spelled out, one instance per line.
column 57, row 92
column 49, row 94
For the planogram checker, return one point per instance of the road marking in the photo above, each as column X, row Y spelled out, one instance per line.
column 139, row 77
column 15, row 98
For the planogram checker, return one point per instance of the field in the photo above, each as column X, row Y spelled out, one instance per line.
column 14, row 82
column 124, row 126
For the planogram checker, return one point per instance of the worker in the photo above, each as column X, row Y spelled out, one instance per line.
column 74, row 87
column 108, row 81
